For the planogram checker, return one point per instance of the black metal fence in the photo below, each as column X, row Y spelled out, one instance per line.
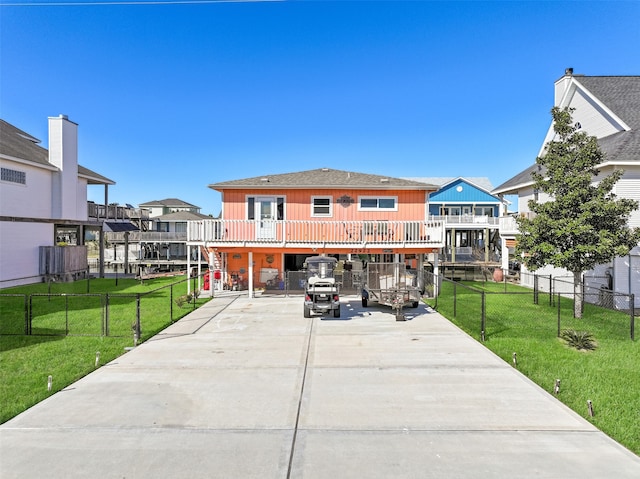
column 98, row 314
column 486, row 309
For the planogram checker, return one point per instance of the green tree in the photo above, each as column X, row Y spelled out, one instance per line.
column 582, row 224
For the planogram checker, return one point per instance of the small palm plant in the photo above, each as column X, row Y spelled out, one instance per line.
column 580, row 340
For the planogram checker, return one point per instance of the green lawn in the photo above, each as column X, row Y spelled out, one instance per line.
column 26, row 362
column 608, row 376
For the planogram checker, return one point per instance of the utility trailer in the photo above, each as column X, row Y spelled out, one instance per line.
column 321, row 291
column 390, row 284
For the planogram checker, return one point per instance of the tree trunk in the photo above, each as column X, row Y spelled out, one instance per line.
column 577, row 296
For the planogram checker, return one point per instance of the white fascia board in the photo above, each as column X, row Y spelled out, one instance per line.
column 29, row 163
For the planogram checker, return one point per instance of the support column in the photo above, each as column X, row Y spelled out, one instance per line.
column 486, row 245
column 505, row 254
column 188, row 269
column 101, row 253
column 436, row 274
column 126, row 252
column 453, row 245
column 250, row 282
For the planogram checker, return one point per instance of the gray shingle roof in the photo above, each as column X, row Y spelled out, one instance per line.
column 181, row 216
column 323, row 178
column 621, row 94
column 169, row 203
column 18, row 144
column 481, row 181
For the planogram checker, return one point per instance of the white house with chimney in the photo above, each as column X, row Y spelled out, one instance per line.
column 607, row 107
column 44, row 213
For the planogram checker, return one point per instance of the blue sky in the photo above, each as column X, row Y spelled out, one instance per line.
column 171, row 98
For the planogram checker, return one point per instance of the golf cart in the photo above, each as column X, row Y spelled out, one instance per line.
column 321, row 291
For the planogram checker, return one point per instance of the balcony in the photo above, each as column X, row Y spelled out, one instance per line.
column 315, row 234
column 468, row 221
column 147, row 237
column 115, row 212
column 509, row 225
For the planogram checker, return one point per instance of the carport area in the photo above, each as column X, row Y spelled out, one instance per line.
column 247, row 387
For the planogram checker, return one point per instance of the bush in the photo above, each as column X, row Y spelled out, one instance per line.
column 580, row 340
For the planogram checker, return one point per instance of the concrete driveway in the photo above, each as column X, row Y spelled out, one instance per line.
column 246, row 387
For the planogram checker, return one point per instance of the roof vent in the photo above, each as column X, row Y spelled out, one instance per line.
column 384, row 180
column 264, row 180
column 568, row 71
column 325, row 169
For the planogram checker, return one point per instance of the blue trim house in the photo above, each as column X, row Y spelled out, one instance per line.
column 470, row 214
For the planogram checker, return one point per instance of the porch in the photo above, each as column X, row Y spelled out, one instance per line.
column 316, row 234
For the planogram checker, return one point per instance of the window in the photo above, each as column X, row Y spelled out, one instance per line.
column 483, row 211
column 162, row 226
column 386, row 203
column 14, row 176
column 181, row 227
column 321, row 206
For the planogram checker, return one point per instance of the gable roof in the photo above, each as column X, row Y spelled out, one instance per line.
column 169, row 203
column 323, row 178
column 17, row 145
column 181, row 216
column 454, row 192
column 620, row 95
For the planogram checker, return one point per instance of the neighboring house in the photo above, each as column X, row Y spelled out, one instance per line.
column 161, row 245
column 44, row 213
column 470, row 214
column 607, row 107
column 272, row 223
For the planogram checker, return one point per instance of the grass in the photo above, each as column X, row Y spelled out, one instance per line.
column 69, row 330
column 607, row 376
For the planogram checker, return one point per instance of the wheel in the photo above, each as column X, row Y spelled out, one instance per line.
column 414, row 304
column 307, row 311
column 364, row 302
column 336, row 313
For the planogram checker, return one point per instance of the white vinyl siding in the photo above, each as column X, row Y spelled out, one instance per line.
column 630, row 188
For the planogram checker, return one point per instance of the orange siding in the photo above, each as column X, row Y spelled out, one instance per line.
column 411, row 204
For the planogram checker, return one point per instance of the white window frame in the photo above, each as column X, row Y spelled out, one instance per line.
column 377, row 198
column 315, row 214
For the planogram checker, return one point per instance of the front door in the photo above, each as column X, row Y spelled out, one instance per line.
column 266, row 218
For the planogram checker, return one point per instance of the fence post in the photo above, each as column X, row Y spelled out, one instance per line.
column 632, row 308
column 171, row 301
column 30, row 320
column 26, row 315
column 550, row 291
column 454, row 299
column 535, row 289
column 559, row 312
column 483, row 322
column 138, row 328
column 106, row 314
column 66, row 313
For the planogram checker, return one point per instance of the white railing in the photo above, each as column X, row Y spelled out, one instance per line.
column 475, row 220
column 508, row 226
column 291, row 233
column 148, row 237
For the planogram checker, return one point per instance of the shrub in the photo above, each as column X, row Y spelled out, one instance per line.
column 580, row 340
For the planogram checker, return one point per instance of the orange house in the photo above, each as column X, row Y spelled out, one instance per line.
column 269, row 224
